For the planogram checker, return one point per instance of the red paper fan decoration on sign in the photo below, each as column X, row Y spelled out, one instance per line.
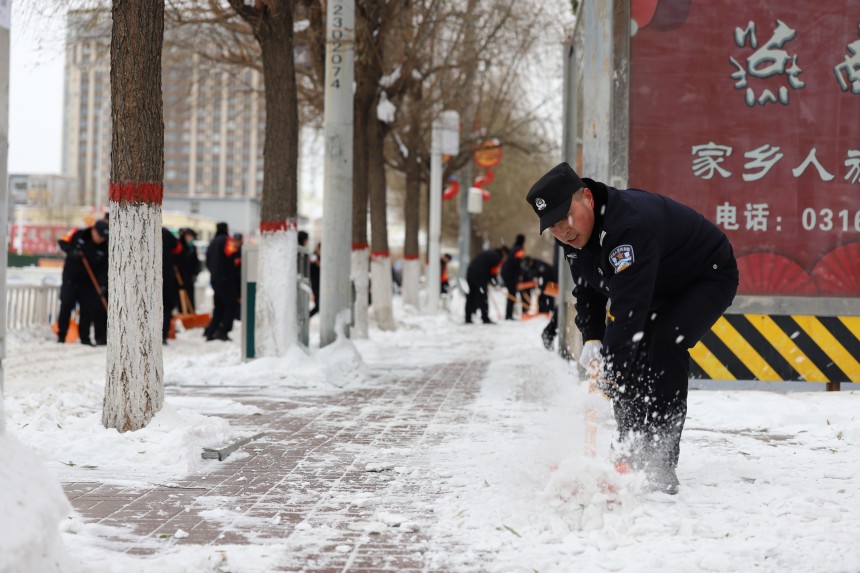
column 768, row 273
column 838, row 272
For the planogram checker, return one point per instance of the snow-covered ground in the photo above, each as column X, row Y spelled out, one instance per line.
column 770, row 481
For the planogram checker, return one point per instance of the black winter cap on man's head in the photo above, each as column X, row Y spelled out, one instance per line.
column 102, row 228
column 550, row 196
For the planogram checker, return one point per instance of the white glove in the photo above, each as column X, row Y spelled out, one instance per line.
column 591, row 359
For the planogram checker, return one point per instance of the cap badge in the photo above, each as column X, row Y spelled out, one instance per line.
column 540, row 204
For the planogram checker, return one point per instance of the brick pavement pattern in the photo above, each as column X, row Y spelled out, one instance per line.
column 319, row 481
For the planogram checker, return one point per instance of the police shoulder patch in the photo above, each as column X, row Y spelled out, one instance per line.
column 621, row 257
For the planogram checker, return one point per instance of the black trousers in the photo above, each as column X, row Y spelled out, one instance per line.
column 476, row 301
column 68, row 301
column 225, row 309
column 168, row 297
column 513, row 299
column 650, row 400
column 93, row 314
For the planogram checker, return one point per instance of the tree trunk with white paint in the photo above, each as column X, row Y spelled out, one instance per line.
column 277, row 294
column 361, row 282
column 276, row 321
column 134, row 389
column 381, row 289
column 381, row 284
column 411, row 283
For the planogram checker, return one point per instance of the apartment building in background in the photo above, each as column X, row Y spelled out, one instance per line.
column 214, row 123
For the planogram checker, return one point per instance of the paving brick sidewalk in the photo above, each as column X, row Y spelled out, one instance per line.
column 321, row 481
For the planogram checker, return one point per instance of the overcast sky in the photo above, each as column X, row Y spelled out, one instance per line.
column 35, row 92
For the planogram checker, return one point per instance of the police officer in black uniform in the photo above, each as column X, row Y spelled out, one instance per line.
column 188, row 263
column 668, row 274
column 512, row 274
column 543, row 274
column 170, row 249
column 224, row 259
column 87, row 247
column 483, row 268
column 314, row 270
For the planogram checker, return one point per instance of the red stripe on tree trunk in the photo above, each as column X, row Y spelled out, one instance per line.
column 146, row 193
column 410, row 257
column 379, row 254
column 275, row 226
column 359, row 246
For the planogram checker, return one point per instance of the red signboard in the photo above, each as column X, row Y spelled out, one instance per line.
column 749, row 112
column 36, row 239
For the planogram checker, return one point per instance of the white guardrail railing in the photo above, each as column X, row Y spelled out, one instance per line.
column 33, row 296
column 31, row 305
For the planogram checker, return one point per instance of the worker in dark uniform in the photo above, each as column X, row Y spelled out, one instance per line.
column 544, row 276
column 224, row 257
column 87, row 247
column 188, row 264
column 668, row 274
column 215, row 245
column 170, row 249
column 512, row 274
column 314, row 271
column 483, row 268
column 444, row 281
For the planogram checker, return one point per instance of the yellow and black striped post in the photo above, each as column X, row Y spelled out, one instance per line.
column 771, row 347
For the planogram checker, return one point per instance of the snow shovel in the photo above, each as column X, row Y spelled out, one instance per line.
column 93, row 279
column 189, row 318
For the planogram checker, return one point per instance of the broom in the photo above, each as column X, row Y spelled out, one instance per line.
column 189, row 318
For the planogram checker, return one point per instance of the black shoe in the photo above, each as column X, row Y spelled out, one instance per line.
column 86, row 342
column 468, row 321
column 663, row 478
column 220, row 336
column 487, row 321
column 548, row 338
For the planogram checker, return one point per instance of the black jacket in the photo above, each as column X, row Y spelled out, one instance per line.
column 644, row 250
column 169, row 251
column 77, row 245
column 224, row 259
column 512, row 270
column 484, row 266
column 542, row 273
column 188, row 263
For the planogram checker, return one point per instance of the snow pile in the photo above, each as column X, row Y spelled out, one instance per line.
column 33, row 506
column 498, row 479
column 66, row 431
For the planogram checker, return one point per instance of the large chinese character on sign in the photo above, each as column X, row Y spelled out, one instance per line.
column 35, row 239
column 749, row 111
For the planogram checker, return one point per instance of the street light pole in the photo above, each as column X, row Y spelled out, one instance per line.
column 445, row 140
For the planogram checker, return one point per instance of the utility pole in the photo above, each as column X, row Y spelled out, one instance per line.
column 445, row 140
column 5, row 25
column 567, row 347
column 466, row 172
column 336, row 250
